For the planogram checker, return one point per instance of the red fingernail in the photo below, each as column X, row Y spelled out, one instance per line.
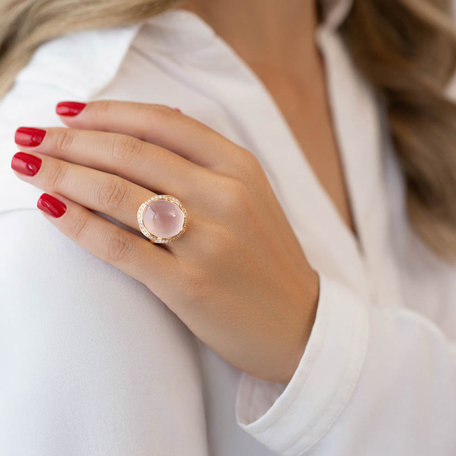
column 69, row 108
column 51, row 205
column 29, row 137
column 177, row 109
column 25, row 163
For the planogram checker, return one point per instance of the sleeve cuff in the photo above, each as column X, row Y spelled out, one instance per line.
column 291, row 419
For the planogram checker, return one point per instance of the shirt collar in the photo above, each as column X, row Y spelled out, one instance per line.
column 189, row 32
column 52, row 62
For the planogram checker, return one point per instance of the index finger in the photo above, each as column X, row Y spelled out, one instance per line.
column 154, row 123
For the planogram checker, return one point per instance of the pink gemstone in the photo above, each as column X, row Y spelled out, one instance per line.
column 163, row 218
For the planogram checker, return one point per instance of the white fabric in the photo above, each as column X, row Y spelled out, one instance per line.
column 94, row 364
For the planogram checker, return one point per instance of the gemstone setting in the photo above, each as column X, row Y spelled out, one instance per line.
column 162, row 219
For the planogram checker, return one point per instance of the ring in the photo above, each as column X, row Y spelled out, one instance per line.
column 162, row 219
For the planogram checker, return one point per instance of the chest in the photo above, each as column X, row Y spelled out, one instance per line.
column 304, row 104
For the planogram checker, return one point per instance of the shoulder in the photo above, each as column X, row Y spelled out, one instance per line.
column 80, row 62
column 75, row 66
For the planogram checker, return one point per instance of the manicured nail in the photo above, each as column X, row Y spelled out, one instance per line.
column 69, row 108
column 25, row 163
column 29, row 137
column 51, row 205
column 177, row 109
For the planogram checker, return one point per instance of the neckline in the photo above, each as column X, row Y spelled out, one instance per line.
column 198, row 43
column 191, row 23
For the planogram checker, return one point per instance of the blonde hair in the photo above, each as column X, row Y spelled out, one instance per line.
column 405, row 48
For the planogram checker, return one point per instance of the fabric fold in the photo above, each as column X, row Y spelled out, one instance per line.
column 293, row 418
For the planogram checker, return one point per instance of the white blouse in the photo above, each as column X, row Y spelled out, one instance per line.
column 92, row 363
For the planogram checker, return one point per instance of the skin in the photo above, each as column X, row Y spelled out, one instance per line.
column 238, row 278
column 293, row 74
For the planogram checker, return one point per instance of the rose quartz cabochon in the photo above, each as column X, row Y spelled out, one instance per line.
column 163, row 218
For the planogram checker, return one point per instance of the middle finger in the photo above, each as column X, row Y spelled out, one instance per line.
column 148, row 165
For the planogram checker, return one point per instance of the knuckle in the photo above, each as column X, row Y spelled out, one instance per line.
column 118, row 247
column 248, row 165
column 79, row 225
column 162, row 111
column 56, row 175
column 235, row 195
column 124, row 149
column 112, row 194
column 251, row 161
column 65, row 140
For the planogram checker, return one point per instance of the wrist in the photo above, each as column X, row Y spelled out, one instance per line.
column 313, row 295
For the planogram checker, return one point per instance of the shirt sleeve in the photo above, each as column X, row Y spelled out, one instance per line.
column 372, row 380
column 91, row 361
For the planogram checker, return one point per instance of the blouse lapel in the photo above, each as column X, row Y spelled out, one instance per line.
column 362, row 138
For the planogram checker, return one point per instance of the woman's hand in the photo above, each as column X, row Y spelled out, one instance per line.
column 237, row 278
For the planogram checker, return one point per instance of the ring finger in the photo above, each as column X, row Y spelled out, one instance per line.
column 97, row 190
